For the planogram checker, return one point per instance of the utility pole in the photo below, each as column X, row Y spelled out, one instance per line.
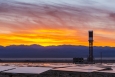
column 101, row 57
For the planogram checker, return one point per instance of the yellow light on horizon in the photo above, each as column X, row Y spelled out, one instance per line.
column 49, row 37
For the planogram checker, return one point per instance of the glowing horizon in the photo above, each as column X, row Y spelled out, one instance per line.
column 52, row 22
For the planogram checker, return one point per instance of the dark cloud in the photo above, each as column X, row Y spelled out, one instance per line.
column 112, row 15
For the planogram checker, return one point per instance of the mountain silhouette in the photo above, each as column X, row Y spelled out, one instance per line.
column 62, row 51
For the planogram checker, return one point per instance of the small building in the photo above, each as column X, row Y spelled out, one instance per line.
column 78, row 60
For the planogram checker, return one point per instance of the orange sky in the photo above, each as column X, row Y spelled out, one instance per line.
column 48, row 37
column 56, row 23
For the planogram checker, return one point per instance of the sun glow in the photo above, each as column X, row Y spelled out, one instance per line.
column 42, row 37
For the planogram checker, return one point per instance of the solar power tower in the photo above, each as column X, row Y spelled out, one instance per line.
column 90, row 57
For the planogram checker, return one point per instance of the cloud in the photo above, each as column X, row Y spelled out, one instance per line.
column 27, row 16
column 20, row 14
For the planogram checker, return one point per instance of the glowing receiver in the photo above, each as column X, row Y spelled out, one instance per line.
column 90, row 35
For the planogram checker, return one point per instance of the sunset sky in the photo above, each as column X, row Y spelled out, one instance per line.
column 57, row 22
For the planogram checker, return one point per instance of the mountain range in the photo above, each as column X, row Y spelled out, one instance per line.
column 62, row 51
